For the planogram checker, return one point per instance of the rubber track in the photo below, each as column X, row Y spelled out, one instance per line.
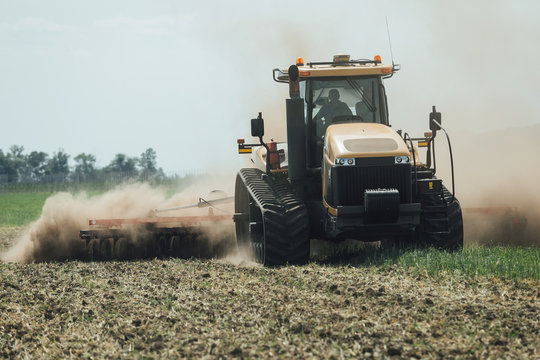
column 442, row 221
column 286, row 225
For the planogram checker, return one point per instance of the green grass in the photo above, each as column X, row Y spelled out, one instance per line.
column 505, row 262
column 509, row 262
column 20, row 209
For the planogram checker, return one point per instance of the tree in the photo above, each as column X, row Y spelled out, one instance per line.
column 36, row 165
column 16, row 151
column 58, row 165
column 20, row 167
column 147, row 163
column 4, row 164
column 11, row 163
column 122, row 164
column 17, row 161
column 85, row 167
column 148, row 166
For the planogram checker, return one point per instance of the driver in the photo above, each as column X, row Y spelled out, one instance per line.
column 333, row 108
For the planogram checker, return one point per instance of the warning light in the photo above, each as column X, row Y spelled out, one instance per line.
column 428, row 134
column 299, row 61
column 240, row 141
column 377, row 58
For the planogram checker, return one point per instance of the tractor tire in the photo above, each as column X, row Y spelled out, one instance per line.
column 271, row 222
column 441, row 223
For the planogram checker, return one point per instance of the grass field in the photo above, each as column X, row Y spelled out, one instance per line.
column 19, row 209
column 505, row 262
column 367, row 302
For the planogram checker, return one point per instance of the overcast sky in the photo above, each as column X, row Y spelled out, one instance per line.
column 182, row 77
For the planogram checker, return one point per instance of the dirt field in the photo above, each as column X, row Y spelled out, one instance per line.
column 193, row 308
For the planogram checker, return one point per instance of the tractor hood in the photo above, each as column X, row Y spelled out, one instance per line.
column 361, row 140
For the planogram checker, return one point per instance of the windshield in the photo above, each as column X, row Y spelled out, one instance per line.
column 345, row 100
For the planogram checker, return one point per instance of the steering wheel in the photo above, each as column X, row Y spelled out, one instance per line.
column 347, row 119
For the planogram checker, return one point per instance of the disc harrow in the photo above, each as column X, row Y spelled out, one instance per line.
column 157, row 236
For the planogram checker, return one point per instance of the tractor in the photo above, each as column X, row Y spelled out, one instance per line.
column 344, row 172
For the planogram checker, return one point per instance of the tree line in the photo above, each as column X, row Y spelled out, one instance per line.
column 38, row 166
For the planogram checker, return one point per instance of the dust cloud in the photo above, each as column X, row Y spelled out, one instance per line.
column 55, row 235
column 496, row 176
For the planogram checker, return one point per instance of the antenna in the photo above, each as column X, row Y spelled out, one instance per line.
column 394, row 66
column 389, row 41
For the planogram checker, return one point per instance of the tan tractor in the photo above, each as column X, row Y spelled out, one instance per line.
column 344, row 173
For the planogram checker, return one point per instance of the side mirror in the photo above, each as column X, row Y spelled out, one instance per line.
column 257, row 126
column 434, row 115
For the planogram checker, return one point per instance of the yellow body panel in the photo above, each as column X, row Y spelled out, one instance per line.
column 359, row 140
column 362, row 140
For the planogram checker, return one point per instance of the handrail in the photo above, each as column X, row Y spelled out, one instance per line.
column 281, row 72
column 451, row 156
column 405, row 136
column 349, row 62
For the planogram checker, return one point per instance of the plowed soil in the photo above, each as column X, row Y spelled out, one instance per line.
column 214, row 308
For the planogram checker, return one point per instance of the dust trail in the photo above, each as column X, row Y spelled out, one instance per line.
column 55, row 235
column 497, row 170
column 509, row 215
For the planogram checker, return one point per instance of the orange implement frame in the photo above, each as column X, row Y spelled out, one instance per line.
column 191, row 220
column 178, row 221
column 166, row 225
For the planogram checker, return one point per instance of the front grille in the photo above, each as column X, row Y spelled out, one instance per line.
column 350, row 182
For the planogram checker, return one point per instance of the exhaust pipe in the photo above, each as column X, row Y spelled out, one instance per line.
column 296, row 129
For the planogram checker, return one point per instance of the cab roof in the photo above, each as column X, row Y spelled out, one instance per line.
column 342, row 67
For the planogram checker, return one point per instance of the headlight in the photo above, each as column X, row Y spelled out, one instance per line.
column 344, row 161
column 402, row 159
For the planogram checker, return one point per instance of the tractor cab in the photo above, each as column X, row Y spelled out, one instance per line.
column 337, row 92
